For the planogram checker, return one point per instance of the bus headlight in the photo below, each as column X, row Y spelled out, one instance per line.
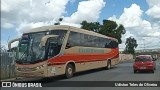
column 40, row 67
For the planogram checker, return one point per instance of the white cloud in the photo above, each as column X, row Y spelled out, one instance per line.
column 122, row 45
column 138, row 27
column 17, row 12
column 22, row 15
column 131, row 17
column 7, row 25
column 27, row 26
column 151, row 3
column 154, row 11
column 87, row 10
column 71, row 24
column 5, row 7
column 27, row 14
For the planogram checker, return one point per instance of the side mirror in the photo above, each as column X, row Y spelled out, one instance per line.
column 45, row 38
column 10, row 42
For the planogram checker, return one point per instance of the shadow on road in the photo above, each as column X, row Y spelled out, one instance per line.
column 92, row 71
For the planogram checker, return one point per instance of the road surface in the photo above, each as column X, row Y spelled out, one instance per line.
column 121, row 72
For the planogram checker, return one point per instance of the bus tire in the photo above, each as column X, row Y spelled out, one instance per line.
column 108, row 65
column 69, row 71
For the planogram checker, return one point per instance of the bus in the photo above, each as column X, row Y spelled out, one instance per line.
column 63, row 50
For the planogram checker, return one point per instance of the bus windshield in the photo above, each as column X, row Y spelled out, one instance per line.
column 30, row 49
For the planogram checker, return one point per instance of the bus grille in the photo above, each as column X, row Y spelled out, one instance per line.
column 26, row 69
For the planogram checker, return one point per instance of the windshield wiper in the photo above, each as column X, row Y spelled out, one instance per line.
column 24, row 53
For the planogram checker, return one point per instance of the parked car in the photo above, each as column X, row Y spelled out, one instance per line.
column 144, row 63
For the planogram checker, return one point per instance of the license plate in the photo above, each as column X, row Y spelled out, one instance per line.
column 143, row 68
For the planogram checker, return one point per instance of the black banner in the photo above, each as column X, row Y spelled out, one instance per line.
column 83, row 84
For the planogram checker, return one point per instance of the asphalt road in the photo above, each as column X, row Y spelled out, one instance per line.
column 121, row 72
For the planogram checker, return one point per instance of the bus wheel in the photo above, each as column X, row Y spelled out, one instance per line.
column 69, row 71
column 108, row 65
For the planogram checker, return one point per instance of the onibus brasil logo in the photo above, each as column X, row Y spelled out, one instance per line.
column 18, row 84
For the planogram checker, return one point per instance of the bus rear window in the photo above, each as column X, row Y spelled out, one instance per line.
column 143, row 58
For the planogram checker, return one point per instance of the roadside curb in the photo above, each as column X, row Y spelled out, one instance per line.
column 127, row 60
column 7, row 79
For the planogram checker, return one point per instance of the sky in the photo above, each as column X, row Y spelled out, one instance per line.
column 141, row 18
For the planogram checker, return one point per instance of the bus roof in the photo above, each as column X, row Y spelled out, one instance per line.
column 66, row 27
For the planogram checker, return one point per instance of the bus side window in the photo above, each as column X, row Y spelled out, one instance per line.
column 73, row 40
column 52, row 49
column 112, row 44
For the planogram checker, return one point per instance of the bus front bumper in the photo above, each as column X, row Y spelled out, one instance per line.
column 31, row 73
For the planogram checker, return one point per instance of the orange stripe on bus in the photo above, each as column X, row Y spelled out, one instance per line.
column 85, row 57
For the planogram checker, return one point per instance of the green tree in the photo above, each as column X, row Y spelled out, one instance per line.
column 131, row 44
column 92, row 26
column 108, row 28
column 112, row 29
